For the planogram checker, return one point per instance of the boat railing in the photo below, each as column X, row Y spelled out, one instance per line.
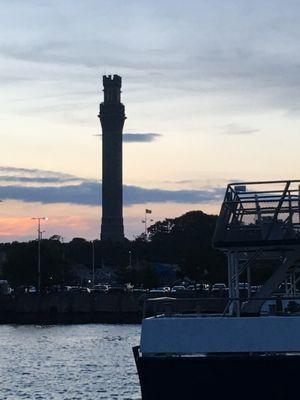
column 169, row 306
column 259, row 214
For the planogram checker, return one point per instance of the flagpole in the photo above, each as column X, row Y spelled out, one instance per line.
column 147, row 211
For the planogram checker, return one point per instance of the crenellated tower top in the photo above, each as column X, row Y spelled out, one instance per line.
column 112, row 89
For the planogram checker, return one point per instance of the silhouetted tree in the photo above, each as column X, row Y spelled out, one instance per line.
column 185, row 241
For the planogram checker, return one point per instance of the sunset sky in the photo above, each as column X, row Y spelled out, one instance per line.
column 212, row 88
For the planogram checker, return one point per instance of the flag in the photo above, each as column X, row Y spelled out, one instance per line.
column 148, row 211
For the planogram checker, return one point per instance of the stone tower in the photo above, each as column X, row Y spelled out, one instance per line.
column 112, row 117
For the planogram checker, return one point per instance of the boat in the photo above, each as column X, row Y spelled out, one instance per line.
column 252, row 349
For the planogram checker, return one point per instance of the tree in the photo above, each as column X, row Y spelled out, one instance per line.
column 187, row 241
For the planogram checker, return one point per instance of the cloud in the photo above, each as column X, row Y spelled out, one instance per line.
column 139, row 195
column 236, row 129
column 29, row 175
column 27, row 179
column 254, row 65
column 88, row 192
column 84, row 193
column 140, row 137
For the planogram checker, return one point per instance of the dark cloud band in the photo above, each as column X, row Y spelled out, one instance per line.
column 34, row 185
column 89, row 193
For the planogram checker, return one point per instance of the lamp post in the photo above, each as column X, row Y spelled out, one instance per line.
column 129, row 252
column 40, row 233
column 93, row 262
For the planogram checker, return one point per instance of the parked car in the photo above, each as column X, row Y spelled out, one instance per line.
column 31, row 289
column 285, row 288
column 202, row 287
column 243, row 286
column 191, row 287
column 140, row 290
column 73, row 289
column 116, row 289
column 4, row 287
column 254, row 289
column 164, row 289
column 101, row 288
column 219, row 287
column 178, row 288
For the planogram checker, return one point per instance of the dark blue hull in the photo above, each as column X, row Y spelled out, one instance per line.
column 236, row 377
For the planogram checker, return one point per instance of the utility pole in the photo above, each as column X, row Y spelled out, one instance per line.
column 130, row 258
column 39, row 238
column 93, row 263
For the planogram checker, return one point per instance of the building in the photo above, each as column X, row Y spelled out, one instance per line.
column 112, row 117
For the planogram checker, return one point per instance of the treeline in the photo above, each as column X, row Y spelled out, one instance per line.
column 184, row 241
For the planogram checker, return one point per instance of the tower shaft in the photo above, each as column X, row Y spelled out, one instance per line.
column 112, row 117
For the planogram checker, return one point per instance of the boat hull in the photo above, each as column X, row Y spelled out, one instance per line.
column 240, row 376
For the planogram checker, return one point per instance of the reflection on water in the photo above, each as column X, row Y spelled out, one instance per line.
column 68, row 362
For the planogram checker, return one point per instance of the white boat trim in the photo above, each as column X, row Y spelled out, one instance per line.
column 217, row 334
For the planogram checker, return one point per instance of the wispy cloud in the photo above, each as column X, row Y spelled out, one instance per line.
column 236, row 129
column 88, row 192
column 27, row 179
column 29, row 175
column 140, row 137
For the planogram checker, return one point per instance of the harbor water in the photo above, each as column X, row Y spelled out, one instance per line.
column 65, row 362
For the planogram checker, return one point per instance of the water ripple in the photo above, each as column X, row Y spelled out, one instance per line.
column 68, row 362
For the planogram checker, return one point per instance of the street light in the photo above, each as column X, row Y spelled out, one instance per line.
column 40, row 233
column 129, row 252
column 93, row 262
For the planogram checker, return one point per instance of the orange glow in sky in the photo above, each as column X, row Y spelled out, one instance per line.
column 71, row 221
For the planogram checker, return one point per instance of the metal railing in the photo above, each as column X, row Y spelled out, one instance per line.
column 223, row 306
column 259, row 212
